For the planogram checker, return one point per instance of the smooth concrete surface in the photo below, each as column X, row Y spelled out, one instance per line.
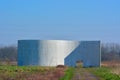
column 88, row 52
column 58, row 52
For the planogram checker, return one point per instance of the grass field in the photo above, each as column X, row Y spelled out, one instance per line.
column 30, row 73
column 108, row 71
column 104, row 73
column 114, row 66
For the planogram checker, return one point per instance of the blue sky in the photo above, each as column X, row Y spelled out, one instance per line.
column 59, row 19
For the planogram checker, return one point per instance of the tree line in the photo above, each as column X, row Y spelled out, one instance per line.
column 109, row 51
column 8, row 53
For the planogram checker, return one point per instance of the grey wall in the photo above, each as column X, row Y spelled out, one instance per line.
column 58, row 52
column 88, row 52
column 44, row 52
column 28, row 52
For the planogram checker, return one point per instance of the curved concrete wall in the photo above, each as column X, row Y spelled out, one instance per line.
column 44, row 52
column 58, row 52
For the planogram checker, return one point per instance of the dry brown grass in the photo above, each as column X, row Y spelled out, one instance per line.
column 31, row 73
column 114, row 65
column 55, row 74
column 8, row 63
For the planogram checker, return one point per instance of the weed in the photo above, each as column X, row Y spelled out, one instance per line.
column 68, row 74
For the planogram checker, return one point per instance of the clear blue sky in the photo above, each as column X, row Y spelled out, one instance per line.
column 59, row 19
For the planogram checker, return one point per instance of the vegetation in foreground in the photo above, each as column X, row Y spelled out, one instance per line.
column 68, row 74
column 104, row 73
column 30, row 73
column 51, row 73
column 110, row 70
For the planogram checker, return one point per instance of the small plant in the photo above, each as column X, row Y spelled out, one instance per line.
column 68, row 74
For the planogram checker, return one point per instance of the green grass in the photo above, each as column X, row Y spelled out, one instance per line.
column 13, row 72
column 68, row 74
column 104, row 73
column 22, row 69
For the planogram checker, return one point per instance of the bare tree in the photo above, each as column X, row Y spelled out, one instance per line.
column 110, row 51
column 8, row 53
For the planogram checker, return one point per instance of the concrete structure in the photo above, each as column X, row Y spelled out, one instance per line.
column 58, row 52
